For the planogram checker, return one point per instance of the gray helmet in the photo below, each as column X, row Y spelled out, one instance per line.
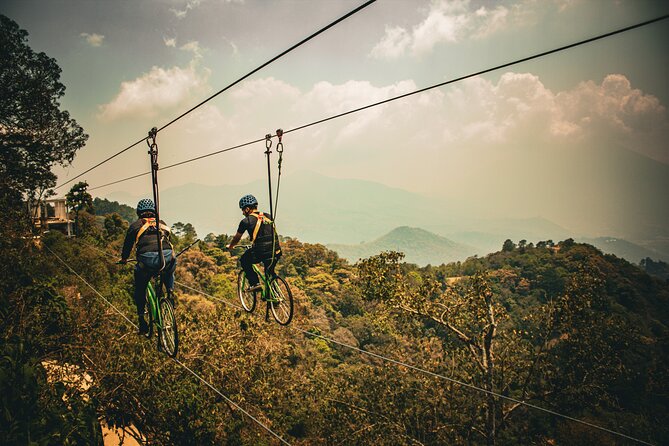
column 247, row 200
column 145, row 205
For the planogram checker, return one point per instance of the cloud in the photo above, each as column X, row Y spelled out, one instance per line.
column 393, row 44
column 520, row 108
column 94, row 40
column 156, row 90
column 451, row 22
column 190, row 5
column 171, row 41
column 192, row 47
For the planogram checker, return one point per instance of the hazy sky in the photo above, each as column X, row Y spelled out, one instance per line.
column 488, row 141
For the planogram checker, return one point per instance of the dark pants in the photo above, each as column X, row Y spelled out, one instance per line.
column 251, row 257
column 147, row 268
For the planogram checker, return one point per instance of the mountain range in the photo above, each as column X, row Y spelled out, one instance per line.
column 319, row 209
column 425, row 248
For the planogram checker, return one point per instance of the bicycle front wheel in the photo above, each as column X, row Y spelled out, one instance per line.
column 282, row 301
column 169, row 336
column 247, row 299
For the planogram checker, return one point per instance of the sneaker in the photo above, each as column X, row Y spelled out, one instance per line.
column 254, row 288
column 143, row 326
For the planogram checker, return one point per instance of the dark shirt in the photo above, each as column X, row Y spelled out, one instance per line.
column 265, row 239
column 248, row 223
column 148, row 242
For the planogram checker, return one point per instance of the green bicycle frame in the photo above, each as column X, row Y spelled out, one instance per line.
column 266, row 288
column 152, row 302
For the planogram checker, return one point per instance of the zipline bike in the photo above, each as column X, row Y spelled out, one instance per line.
column 275, row 293
column 160, row 311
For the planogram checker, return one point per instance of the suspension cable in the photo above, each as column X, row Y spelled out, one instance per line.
column 207, row 383
column 402, row 96
column 424, row 371
column 273, row 59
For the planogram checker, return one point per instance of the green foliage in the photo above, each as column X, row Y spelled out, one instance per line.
column 36, row 134
column 114, row 226
column 183, row 234
column 563, row 327
column 103, row 206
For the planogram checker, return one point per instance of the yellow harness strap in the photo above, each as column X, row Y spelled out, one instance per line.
column 149, row 223
column 259, row 218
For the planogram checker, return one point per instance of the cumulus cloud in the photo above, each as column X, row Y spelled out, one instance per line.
column 450, row 22
column 517, row 109
column 93, row 39
column 520, row 107
column 170, row 41
column 156, row 90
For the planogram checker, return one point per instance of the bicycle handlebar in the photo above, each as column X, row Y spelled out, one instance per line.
column 187, row 248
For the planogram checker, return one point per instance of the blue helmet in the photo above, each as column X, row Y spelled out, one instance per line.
column 145, row 205
column 247, row 200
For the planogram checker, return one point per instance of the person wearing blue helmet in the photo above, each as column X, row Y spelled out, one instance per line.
column 142, row 235
column 265, row 242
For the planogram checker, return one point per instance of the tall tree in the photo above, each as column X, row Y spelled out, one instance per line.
column 35, row 134
column 78, row 199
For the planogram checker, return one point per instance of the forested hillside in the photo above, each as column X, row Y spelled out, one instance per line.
column 562, row 327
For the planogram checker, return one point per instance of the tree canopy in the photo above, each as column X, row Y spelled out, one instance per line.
column 35, row 133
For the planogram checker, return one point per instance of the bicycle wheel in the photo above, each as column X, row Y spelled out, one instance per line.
column 150, row 308
column 169, row 336
column 282, row 309
column 247, row 299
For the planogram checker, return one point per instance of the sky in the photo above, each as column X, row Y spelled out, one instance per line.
column 578, row 137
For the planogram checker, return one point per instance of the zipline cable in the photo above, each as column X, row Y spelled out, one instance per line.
column 207, row 383
column 424, row 371
column 394, row 98
column 300, row 43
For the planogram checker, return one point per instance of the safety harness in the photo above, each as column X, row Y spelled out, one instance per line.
column 151, row 223
column 262, row 219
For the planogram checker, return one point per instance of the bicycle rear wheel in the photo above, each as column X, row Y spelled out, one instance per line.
column 169, row 336
column 282, row 302
column 247, row 299
column 150, row 308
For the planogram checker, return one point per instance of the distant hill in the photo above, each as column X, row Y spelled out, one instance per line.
column 629, row 251
column 489, row 235
column 419, row 246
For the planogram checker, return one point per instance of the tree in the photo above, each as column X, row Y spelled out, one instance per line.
column 114, row 225
column 185, row 234
column 508, row 246
column 36, row 134
column 78, row 199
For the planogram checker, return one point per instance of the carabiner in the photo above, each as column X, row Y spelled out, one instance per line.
column 279, row 146
column 268, row 142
